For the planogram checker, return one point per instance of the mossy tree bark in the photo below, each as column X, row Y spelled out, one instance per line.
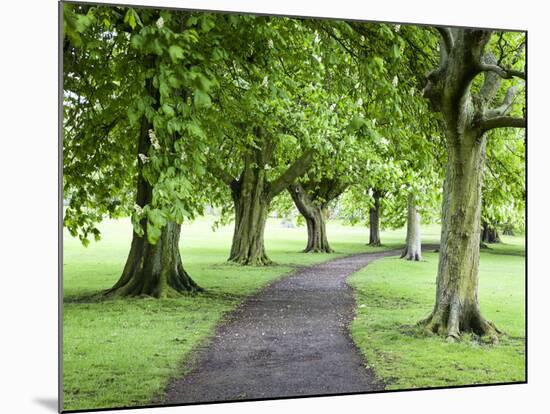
column 413, row 248
column 251, row 202
column 374, row 220
column 153, row 269
column 311, row 199
column 467, row 118
column 252, row 194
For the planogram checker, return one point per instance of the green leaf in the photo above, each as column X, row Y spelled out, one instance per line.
column 207, row 23
column 153, row 233
column 396, row 51
column 156, row 217
column 164, row 89
column 175, row 52
column 168, row 110
column 133, row 115
column 201, row 99
column 132, row 18
column 357, row 122
column 195, row 130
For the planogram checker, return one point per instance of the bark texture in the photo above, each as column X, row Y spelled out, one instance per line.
column 251, row 203
column 467, row 118
column 153, row 270
column 311, row 199
column 374, row 220
column 413, row 248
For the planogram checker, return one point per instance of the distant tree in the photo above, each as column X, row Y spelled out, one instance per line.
column 503, row 192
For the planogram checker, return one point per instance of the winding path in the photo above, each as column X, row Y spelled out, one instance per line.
column 290, row 339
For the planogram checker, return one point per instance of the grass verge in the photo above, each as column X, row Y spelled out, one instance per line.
column 393, row 294
column 123, row 352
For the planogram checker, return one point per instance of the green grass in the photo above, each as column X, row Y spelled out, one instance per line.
column 123, row 352
column 393, row 294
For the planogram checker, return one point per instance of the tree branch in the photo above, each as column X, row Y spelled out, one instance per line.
column 506, row 105
column 502, row 72
column 298, row 168
column 503, row 122
column 447, row 37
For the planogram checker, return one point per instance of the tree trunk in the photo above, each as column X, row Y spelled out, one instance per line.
column 252, row 194
column 457, row 309
column 413, row 249
column 153, row 270
column 374, row 221
column 314, row 215
column 489, row 234
column 251, row 203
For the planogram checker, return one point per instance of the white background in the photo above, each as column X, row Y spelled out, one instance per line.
column 28, row 204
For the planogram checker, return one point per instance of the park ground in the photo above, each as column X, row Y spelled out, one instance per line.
column 123, row 352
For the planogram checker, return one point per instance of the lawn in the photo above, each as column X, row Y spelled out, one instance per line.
column 393, row 294
column 123, row 352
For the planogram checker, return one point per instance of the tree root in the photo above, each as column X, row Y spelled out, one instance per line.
column 317, row 250
column 251, row 261
column 415, row 257
column 159, row 283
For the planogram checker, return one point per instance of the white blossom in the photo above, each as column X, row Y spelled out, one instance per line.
column 138, row 209
column 160, row 22
column 144, row 158
column 154, row 140
column 395, row 81
column 270, row 43
column 265, row 82
column 397, row 27
column 360, row 102
column 332, row 107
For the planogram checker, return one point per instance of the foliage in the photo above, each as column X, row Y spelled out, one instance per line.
column 124, row 67
column 504, row 190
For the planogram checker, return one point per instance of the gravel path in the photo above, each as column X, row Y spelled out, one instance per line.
column 291, row 339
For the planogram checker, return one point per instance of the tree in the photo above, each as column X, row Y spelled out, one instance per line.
column 413, row 248
column 455, row 90
column 311, row 200
column 134, row 80
column 268, row 120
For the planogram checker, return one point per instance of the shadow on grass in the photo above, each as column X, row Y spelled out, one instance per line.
column 100, row 297
column 503, row 249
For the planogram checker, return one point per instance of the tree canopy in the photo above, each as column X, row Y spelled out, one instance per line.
column 168, row 111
